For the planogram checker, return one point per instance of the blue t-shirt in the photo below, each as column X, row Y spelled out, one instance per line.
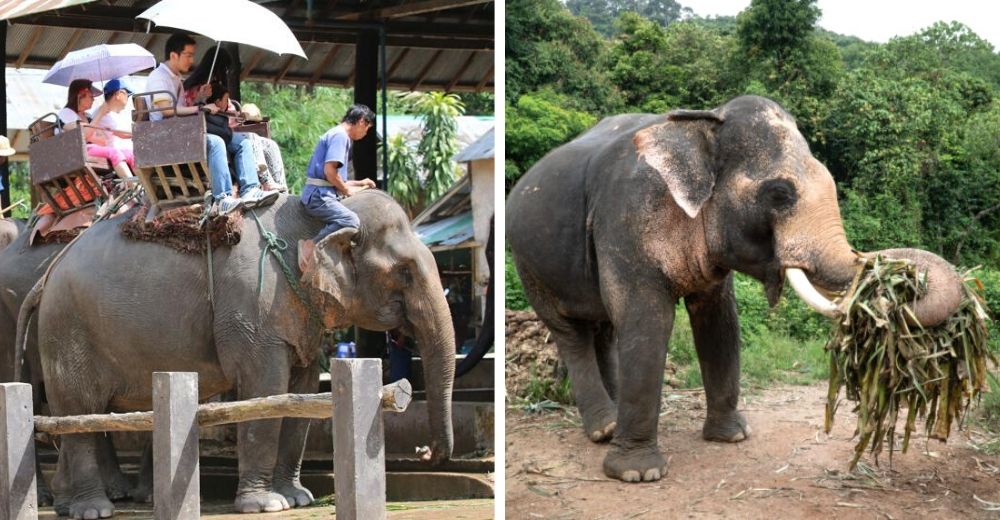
column 334, row 145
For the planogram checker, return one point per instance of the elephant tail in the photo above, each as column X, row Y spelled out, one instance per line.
column 485, row 340
column 24, row 316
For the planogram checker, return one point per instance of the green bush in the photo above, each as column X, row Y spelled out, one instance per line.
column 514, row 298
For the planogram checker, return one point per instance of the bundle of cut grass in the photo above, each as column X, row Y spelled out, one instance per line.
column 888, row 364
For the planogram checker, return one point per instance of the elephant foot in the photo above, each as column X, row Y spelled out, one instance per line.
column 600, row 426
column 294, row 493
column 143, row 493
column 91, row 508
column 43, row 495
column 644, row 464
column 727, row 427
column 117, row 486
column 260, row 502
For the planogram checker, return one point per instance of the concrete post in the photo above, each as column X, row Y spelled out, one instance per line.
column 359, row 438
column 18, row 500
column 176, row 487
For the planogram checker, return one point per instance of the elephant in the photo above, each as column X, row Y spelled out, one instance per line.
column 610, row 230
column 103, row 332
column 9, row 230
column 21, row 265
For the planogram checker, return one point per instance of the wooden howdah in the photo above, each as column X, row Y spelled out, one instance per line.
column 261, row 128
column 67, row 178
column 170, row 157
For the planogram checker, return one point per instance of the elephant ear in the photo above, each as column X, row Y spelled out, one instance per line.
column 331, row 268
column 682, row 151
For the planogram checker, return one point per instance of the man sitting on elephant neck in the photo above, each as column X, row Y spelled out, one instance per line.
column 326, row 180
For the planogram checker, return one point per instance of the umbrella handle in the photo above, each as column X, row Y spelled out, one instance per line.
column 212, row 68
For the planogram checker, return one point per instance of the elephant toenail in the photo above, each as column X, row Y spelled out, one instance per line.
column 651, row 475
column 630, row 476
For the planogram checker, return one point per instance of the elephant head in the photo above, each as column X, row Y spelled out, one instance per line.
column 383, row 277
column 769, row 208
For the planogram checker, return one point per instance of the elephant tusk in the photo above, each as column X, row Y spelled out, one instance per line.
column 809, row 294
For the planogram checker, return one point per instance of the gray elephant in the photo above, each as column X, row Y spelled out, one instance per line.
column 21, row 266
column 609, row 231
column 103, row 332
column 9, row 230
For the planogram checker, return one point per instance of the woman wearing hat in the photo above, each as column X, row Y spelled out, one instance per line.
column 99, row 143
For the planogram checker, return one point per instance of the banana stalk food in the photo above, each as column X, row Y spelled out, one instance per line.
column 887, row 362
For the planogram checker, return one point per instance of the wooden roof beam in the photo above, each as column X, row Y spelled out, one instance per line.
column 397, row 62
column 486, row 77
column 70, row 44
column 250, row 66
column 32, row 41
column 461, row 71
column 426, row 70
column 330, row 56
column 399, row 11
column 288, row 63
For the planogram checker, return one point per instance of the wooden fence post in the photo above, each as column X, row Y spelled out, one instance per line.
column 176, row 487
column 359, row 438
column 18, row 500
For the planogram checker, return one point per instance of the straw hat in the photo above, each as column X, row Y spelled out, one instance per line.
column 5, row 148
column 251, row 113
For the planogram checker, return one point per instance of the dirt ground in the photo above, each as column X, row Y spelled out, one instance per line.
column 788, row 468
column 452, row 509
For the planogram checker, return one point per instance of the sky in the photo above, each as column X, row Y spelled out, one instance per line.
column 880, row 20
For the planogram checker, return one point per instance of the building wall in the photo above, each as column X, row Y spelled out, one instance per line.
column 482, row 211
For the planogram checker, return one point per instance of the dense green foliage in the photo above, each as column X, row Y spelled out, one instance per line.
column 404, row 181
column 298, row 119
column 538, row 123
column 909, row 129
column 603, row 13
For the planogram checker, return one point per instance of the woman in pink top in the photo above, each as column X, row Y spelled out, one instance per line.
column 99, row 142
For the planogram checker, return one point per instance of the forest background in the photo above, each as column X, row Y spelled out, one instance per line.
column 909, row 129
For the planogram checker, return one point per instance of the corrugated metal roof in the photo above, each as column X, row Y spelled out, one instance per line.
column 449, row 231
column 450, row 48
column 26, row 7
column 481, row 149
column 456, row 200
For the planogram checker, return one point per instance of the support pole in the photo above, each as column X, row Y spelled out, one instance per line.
column 4, row 162
column 18, row 500
column 359, row 439
column 366, row 93
column 176, row 484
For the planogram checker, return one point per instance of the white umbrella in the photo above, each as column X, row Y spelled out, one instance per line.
column 100, row 63
column 237, row 21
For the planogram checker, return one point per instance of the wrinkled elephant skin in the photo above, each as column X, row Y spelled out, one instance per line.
column 105, row 334
column 611, row 230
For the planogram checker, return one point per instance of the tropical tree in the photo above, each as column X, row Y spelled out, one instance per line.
column 438, row 145
column 404, row 174
column 603, row 13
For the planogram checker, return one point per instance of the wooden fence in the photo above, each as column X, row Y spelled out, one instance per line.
column 358, row 400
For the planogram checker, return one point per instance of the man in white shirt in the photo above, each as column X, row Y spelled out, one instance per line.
column 179, row 55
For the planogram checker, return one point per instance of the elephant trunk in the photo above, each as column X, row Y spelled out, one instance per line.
column 431, row 320
column 944, row 287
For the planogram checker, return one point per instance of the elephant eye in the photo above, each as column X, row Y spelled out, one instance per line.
column 778, row 194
